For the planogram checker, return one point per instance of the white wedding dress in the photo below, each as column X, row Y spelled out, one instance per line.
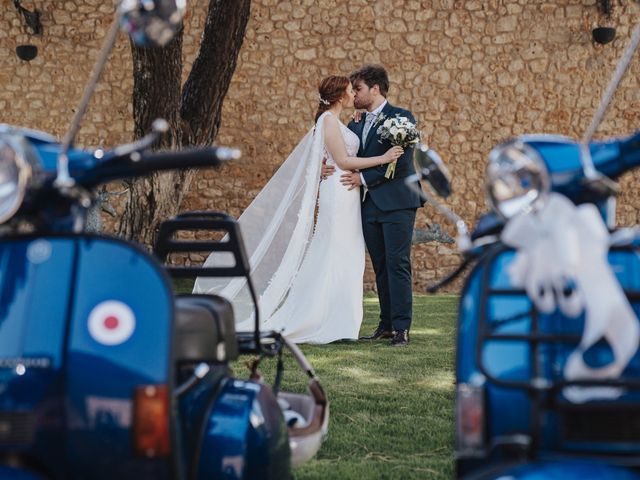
column 310, row 280
column 325, row 300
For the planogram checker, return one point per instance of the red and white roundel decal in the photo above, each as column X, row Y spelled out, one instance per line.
column 111, row 322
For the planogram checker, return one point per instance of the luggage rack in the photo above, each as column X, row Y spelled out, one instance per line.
column 232, row 243
column 541, row 389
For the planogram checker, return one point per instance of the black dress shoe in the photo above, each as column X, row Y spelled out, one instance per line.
column 378, row 334
column 400, row 339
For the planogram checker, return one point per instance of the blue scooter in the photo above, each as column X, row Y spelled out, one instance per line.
column 514, row 416
column 104, row 372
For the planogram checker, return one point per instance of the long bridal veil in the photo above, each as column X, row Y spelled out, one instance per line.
column 276, row 228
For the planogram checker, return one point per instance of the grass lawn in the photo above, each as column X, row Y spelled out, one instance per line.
column 391, row 408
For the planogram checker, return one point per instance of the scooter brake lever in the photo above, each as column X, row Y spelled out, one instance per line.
column 602, row 186
column 473, row 254
column 434, row 287
column 159, row 127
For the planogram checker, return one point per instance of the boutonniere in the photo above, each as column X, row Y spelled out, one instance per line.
column 380, row 117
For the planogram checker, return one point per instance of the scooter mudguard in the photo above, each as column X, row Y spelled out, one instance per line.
column 83, row 322
column 246, row 436
column 557, row 470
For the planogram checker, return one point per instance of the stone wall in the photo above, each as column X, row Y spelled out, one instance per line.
column 473, row 72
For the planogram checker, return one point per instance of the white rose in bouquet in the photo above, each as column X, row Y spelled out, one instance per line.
column 401, row 132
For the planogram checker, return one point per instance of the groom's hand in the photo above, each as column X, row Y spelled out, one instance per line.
column 351, row 180
column 327, row 170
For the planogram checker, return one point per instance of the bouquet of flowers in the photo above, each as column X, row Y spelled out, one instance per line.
column 401, row 132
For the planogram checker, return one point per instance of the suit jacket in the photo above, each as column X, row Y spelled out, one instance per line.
column 387, row 194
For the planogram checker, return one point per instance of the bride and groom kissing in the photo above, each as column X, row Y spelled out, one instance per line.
column 310, row 275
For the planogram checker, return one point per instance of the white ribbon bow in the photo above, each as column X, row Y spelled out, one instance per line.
column 562, row 262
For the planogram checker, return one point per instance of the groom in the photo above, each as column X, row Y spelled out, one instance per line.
column 388, row 206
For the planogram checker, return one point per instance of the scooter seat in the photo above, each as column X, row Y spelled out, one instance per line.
column 204, row 329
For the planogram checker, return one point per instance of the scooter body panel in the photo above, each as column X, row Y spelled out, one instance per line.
column 36, row 276
column 119, row 339
column 97, row 314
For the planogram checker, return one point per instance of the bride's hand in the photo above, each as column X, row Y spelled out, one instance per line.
column 393, row 154
column 357, row 115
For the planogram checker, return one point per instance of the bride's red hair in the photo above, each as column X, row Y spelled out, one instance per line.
column 331, row 90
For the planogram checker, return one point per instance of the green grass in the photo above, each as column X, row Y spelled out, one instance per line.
column 183, row 285
column 391, row 408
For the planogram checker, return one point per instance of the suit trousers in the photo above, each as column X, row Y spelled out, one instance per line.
column 388, row 238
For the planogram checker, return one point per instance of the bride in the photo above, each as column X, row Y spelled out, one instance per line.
column 309, row 278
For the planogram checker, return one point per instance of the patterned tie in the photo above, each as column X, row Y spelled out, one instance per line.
column 367, row 125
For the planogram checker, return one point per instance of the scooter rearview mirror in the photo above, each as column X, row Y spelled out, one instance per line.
column 151, row 23
column 431, row 168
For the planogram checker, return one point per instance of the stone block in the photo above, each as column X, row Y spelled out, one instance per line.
column 306, row 54
column 382, row 41
column 507, row 23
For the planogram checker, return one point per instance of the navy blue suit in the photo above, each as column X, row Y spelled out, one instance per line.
column 388, row 215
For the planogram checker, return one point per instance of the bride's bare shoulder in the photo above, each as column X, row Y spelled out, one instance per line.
column 330, row 121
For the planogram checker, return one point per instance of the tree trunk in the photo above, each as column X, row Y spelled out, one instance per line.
column 156, row 94
column 213, row 68
column 193, row 113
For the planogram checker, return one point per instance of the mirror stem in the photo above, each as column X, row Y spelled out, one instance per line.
column 63, row 179
column 464, row 240
column 618, row 75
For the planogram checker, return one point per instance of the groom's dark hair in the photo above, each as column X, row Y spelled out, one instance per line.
column 372, row 75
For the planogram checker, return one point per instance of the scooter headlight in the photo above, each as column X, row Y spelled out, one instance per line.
column 516, row 178
column 15, row 173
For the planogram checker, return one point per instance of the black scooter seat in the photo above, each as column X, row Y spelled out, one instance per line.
column 204, row 329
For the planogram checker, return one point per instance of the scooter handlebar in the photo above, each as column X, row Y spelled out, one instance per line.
column 137, row 164
column 192, row 158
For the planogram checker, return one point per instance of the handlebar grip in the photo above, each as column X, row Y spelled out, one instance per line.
column 196, row 157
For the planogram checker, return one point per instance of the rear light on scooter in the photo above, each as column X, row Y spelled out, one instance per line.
column 151, row 420
column 469, row 418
